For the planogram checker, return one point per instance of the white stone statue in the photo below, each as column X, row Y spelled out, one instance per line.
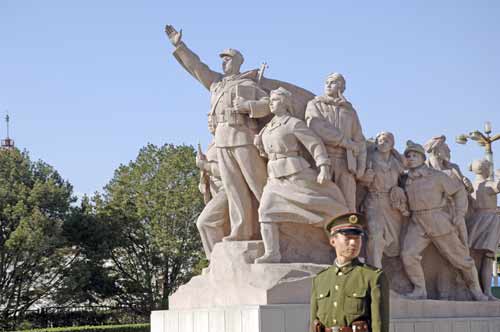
column 294, row 191
column 213, row 221
column 236, row 102
column 334, row 119
column 385, row 204
column 427, row 191
column 484, row 223
column 439, row 156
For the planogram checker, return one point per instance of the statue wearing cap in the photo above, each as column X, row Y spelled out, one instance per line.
column 213, row 221
column 439, row 155
column 334, row 119
column 236, row 102
column 427, row 190
column 349, row 295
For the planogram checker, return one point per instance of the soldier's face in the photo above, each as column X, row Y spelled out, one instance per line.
column 230, row 65
column 444, row 153
column 347, row 247
column 384, row 143
column 414, row 159
column 332, row 87
column 276, row 104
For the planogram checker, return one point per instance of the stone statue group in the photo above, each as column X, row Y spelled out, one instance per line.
column 282, row 155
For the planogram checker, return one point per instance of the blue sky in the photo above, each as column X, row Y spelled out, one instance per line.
column 88, row 83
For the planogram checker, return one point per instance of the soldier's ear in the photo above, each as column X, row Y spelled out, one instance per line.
column 332, row 240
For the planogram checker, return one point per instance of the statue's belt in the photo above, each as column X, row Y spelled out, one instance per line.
column 232, row 118
column 425, row 211
column 276, row 156
column 336, row 152
column 379, row 194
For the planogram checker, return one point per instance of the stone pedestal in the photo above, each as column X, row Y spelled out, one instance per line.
column 235, row 295
column 233, row 279
column 451, row 316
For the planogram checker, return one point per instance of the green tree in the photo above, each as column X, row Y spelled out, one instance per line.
column 150, row 209
column 34, row 255
column 90, row 281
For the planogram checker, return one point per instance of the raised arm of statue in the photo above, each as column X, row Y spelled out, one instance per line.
column 190, row 61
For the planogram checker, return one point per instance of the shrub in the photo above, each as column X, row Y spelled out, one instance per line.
column 100, row 328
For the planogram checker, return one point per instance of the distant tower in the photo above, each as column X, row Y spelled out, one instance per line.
column 7, row 143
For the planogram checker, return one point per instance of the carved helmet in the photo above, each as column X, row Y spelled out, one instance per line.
column 415, row 147
column 232, row 53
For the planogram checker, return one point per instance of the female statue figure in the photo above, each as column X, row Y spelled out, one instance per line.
column 385, row 205
column 294, row 191
column 484, row 223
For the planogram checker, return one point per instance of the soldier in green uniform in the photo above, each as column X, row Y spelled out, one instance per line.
column 349, row 295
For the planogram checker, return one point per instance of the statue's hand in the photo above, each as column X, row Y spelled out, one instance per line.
column 468, row 185
column 360, row 173
column 368, row 176
column 174, row 35
column 324, row 174
column 200, row 162
column 257, row 141
column 241, row 105
column 458, row 220
column 350, row 145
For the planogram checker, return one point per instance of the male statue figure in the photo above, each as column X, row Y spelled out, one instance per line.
column 236, row 101
column 439, row 155
column 427, row 190
column 213, row 221
column 334, row 119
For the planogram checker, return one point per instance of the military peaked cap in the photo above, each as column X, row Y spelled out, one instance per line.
column 232, row 53
column 349, row 223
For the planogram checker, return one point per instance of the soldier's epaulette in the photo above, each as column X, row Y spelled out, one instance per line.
column 372, row 268
column 324, row 270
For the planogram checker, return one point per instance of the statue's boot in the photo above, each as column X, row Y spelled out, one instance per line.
column 232, row 237
column 418, row 293
column 485, row 276
column 492, row 298
column 415, row 273
column 478, row 295
column 474, row 287
column 235, row 236
column 271, row 237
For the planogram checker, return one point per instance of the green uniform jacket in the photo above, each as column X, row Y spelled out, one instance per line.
column 353, row 292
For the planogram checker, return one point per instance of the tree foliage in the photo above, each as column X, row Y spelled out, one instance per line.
column 34, row 255
column 90, row 281
column 133, row 245
column 148, row 212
